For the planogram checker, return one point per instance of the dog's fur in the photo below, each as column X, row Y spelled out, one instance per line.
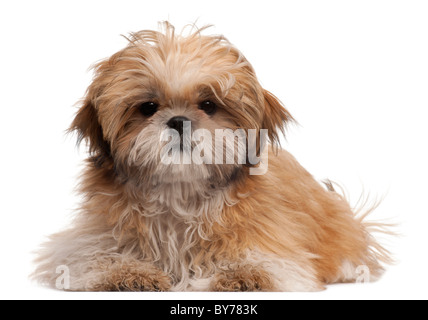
column 145, row 225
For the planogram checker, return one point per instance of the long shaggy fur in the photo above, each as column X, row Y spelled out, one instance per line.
column 144, row 225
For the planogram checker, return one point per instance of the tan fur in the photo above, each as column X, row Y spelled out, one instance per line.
column 144, row 225
column 244, row 278
column 131, row 276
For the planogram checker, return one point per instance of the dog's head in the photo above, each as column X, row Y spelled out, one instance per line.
column 163, row 83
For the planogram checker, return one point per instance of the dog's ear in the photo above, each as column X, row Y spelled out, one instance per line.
column 275, row 117
column 88, row 128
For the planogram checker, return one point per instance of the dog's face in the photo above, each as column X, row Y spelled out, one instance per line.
column 164, row 81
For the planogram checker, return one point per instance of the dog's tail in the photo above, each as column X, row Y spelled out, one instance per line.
column 376, row 231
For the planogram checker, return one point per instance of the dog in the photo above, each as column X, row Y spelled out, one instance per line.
column 149, row 222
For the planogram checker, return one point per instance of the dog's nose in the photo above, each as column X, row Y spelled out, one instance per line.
column 177, row 123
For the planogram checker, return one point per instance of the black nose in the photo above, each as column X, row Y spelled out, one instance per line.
column 177, row 123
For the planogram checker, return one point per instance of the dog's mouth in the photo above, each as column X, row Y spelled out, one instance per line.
column 177, row 151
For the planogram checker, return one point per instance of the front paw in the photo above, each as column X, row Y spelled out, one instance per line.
column 134, row 278
column 246, row 278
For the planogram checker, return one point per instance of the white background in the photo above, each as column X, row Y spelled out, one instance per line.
column 353, row 73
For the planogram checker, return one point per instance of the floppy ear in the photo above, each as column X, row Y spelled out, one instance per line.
column 88, row 128
column 275, row 117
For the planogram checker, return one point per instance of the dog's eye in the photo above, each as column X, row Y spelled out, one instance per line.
column 208, row 106
column 148, row 109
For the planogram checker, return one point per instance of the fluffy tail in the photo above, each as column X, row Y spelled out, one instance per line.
column 378, row 256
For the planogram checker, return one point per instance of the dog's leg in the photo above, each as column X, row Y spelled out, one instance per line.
column 244, row 278
column 130, row 275
column 88, row 258
column 266, row 272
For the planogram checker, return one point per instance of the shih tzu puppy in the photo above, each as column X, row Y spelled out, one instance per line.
column 168, row 206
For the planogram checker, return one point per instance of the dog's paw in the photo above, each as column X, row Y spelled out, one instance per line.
column 143, row 277
column 247, row 278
